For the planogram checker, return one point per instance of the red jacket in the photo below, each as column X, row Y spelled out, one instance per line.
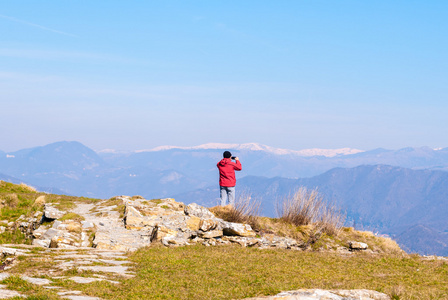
column 227, row 172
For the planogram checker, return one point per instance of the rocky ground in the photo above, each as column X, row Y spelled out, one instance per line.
column 104, row 265
column 98, row 237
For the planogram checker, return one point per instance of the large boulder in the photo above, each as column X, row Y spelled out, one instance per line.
column 196, row 210
column 52, row 213
column 239, row 229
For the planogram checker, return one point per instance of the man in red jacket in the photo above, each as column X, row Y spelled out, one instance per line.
column 227, row 179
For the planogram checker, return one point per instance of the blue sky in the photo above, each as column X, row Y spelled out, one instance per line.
column 291, row 74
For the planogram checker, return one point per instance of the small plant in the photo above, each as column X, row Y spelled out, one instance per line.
column 72, row 216
column 156, row 201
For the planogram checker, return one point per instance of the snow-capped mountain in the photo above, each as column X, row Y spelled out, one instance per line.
column 261, row 147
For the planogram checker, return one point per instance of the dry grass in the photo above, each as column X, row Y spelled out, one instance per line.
column 40, row 201
column 198, row 272
column 27, row 187
column 246, row 210
column 11, row 200
column 307, row 207
column 376, row 243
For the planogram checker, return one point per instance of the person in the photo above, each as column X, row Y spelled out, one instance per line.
column 227, row 179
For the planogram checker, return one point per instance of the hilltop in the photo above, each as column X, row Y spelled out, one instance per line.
column 99, row 246
column 410, row 183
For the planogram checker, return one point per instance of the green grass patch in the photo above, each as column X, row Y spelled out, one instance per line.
column 156, row 201
column 198, row 272
column 72, row 216
column 33, row 291
column 64, row 202
column 15, row 237
column 7, row 187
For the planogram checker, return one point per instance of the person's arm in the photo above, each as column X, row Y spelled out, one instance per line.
column 237, row 165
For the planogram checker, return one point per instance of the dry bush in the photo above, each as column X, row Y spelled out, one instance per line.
column 246, row 210
column 307, row 207
column 40, row 201
column 74, row 227
column 11, row 200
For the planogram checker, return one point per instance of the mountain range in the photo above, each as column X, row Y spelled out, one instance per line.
column 397, row 192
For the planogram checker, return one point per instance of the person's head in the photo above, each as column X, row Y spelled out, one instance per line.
column 227, row 154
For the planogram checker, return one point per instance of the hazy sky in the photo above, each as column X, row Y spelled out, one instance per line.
column 292, row 74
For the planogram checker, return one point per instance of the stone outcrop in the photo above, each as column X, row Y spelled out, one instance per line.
column 143, row 222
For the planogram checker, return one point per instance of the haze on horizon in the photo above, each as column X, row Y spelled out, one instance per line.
column 287, row 74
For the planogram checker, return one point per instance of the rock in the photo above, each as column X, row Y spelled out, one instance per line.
column 210, row 234
column 41, row 243
column 56, row 224
column 357, row 246
column 65, row 240
column 318, row 294
column 51, row 212
column 50, row 233
column 193, row 223
column 38, row 281
column 163, row 231
column 86, row 224
column 208, row 224
column 4, row 294
column 230, row 228
column 11, row 251
column 133, row 218
column 170, row 241
column 2, row 229
column 196, row 210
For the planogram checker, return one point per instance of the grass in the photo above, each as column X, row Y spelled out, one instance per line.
column 34, row 292
column 17, row 200
column 15, row 237
column 232, row 272
column 72, row 216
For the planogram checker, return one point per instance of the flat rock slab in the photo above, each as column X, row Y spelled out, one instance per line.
column 318, row 294
column 3, row 276
column 84, row 279
column 38, row 281
column 5, row 294
column 76, row 297
column 119, row 270
column 78, row 279
column 114, row 262
column 77, row 256
column 69, row 293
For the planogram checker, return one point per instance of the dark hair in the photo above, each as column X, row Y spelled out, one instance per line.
column 227, row 154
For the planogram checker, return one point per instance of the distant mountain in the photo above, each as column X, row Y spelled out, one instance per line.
column 76, row 169
column 260, row 147
column 260, row 160
column 425, row 240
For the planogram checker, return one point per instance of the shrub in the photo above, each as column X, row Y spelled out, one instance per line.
column 307, row 207
column 40, row 201
column 11, row 200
